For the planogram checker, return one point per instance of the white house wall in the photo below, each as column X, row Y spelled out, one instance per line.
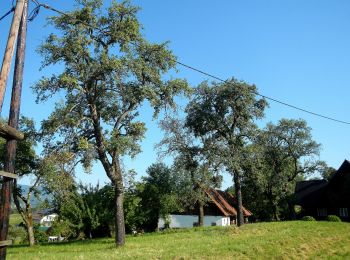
column 48, row 219
column 186, row 221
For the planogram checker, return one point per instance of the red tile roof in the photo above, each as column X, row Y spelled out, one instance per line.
column 226, row 202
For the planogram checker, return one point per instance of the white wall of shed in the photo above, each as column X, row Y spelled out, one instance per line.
column 186, row 221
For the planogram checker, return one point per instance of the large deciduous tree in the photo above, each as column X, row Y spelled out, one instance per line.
column 224, row 113
column 280, row 155
column 193, row 169
column 108, row 71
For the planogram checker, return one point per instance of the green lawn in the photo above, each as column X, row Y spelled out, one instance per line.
column 294, row 240
column 15, row 219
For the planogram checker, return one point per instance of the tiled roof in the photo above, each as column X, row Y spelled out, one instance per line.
column 226, row 202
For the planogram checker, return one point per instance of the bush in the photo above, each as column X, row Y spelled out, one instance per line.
column 308, row 218
column 333, row 218
column 17, row 234
column 40, row 236
column 63, row 228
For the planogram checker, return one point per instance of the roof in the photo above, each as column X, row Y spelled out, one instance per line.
column 43, row 228
column 304, row 188
column 343, row 169
column 39, row 214
column 225, row 202
column 316, row 193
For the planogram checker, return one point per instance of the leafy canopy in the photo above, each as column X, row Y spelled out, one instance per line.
column 109, row 70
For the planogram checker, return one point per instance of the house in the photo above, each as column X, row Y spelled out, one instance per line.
column 219, row 211
column 319, row 198
column 45, row 217
column 47, row 220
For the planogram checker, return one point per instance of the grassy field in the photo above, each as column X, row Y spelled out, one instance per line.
column 15, row 219
column 292, row 240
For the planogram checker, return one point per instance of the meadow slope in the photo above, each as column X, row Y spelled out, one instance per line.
column 294, row 240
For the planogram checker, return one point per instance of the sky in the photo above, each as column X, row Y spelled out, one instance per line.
column 294, row 51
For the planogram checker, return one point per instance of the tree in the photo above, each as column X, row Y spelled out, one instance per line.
column 100, row 201
column 158, row 195
column 109, row 70
column 327, row 172
column 78, row 214
column 279, row 156
column 224, row 113
column 193, row 170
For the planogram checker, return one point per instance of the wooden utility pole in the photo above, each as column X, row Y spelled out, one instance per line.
column 6, row 64
column 13, row 135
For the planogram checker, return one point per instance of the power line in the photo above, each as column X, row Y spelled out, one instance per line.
column 2, row 17
column 206, row 73
column 263, row 96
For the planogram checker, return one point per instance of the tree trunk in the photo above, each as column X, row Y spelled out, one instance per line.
column 240, row 217
column 30, row 231
column 200, row 214
column 119, row 214
column 274, row 209
column 275, row 213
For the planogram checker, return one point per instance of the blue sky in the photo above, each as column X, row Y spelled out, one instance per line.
column 295, row 51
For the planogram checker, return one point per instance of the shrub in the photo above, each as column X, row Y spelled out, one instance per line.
column 40, row 236
column 333, row 218
column 63, row 228
column 308, row 218
column 18, row 234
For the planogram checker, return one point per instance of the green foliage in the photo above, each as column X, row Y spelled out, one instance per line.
column 308, row 218
column 134, row 218
column 40, row 236
column 108, row 73
column 327, row 172
column 193, row 172
column 298, row 209
column 158, row 195
column 100, row 202
column 76, row 216
column 17, row 234
column 333, row 218
column 280, row 155
column 224, row 114
column 26, row 159
column 63, row 228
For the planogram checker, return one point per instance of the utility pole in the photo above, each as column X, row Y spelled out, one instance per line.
column 11, row 143
column 6, row 64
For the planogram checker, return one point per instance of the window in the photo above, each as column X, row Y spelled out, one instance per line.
column 213, row 223
column 343, row 212
column 322, row 212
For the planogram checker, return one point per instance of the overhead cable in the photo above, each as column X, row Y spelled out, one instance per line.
column 12, row 9
column 208, row 74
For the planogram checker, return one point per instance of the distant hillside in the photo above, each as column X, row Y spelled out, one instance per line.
column 33, row 200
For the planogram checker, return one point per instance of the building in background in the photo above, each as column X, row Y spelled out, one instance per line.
column 219, row 211
column 320, row 198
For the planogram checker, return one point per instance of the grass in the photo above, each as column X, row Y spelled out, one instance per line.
column 292, row 240
column 15, row 219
